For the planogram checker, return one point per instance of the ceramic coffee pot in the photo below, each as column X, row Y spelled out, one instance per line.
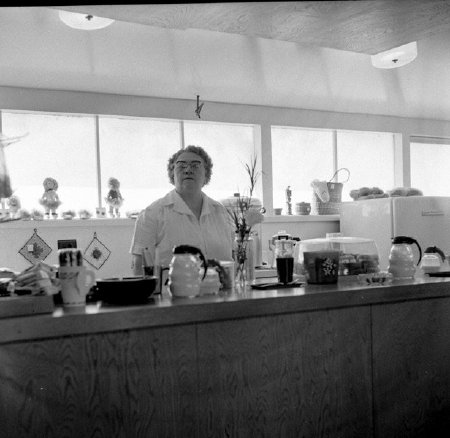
column 185, row 271
column 433, row 259
column 401, row 257
column 435, row 250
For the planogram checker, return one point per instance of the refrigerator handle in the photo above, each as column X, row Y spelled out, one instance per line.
column 433, row 213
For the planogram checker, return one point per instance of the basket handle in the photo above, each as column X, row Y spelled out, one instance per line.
column 342, row 168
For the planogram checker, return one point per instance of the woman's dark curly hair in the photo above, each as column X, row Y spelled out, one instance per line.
column 196, row 150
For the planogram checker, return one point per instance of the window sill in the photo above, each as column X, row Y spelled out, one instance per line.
column 301, row 218
column 66, row 223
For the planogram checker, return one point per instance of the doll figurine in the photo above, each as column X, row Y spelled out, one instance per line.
column 14, row 207
column 114, row 198
column 50, row 199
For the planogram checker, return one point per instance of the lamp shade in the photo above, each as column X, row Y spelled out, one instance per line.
column 396, row 57
column 84, row 21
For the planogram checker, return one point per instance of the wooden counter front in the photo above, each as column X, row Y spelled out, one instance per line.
column 164, row 311
column 338, row 361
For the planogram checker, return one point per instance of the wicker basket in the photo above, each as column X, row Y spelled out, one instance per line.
column 333, row 206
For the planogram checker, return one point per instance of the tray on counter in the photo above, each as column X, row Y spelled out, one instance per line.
column 276, row 285
column 26, row 305
column 439, row 274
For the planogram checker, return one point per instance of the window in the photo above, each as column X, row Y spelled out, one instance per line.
column 136, row 151
column 57, row 146
column 298, row 157
column 301, row 155
column 430, row 166
column 133, row 150
column 230, row 147
column 369, row 156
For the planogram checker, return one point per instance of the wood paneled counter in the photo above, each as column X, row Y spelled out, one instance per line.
column 336, row 361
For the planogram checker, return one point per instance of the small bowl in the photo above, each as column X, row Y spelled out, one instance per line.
column 126, row 290
column 376, row 278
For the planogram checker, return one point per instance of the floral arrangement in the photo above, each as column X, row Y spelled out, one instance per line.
column 244, row 216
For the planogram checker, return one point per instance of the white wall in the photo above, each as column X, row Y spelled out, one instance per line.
column 116, row 235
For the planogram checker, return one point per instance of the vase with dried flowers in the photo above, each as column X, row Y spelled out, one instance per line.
column 245, row 213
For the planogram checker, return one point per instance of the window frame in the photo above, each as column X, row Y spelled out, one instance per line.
column 262, row 117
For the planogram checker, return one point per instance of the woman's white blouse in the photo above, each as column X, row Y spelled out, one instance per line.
column 169, row 221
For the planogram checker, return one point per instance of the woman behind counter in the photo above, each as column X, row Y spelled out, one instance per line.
column 185, row 215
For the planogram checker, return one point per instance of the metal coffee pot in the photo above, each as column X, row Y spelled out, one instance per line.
column 185, row 271
column 401, row 257
column 284, row 248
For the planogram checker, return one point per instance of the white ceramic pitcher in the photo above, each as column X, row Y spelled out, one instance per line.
column 185, row 271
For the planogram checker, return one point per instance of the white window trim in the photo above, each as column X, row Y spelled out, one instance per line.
column 429, row 140
column 99, row 172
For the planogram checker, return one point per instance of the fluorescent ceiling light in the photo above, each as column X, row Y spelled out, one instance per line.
column 395, row 57
column 84, row 21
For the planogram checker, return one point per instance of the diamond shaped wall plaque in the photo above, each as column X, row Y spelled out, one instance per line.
column 96, row 253
column 35, row 249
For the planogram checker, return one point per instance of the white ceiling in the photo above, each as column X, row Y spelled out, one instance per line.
column 39, row 51
column 357, row 26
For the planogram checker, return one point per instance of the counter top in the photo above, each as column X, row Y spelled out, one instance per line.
column 162, row 310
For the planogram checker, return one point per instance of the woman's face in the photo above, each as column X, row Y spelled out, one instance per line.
column 189, row 173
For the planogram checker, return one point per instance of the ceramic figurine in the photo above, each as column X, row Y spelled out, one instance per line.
column 288, row 200
column 100, row 212
column 14, row 207
column 50, row 199
column 114, row 198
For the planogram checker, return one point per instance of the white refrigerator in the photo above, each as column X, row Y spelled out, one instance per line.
column 424, row 218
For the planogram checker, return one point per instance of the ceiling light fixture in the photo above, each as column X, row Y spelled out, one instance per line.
column 84, row 21
column 396, row 57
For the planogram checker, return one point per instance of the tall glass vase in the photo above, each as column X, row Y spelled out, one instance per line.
column 244, row 261
column 241, row 273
